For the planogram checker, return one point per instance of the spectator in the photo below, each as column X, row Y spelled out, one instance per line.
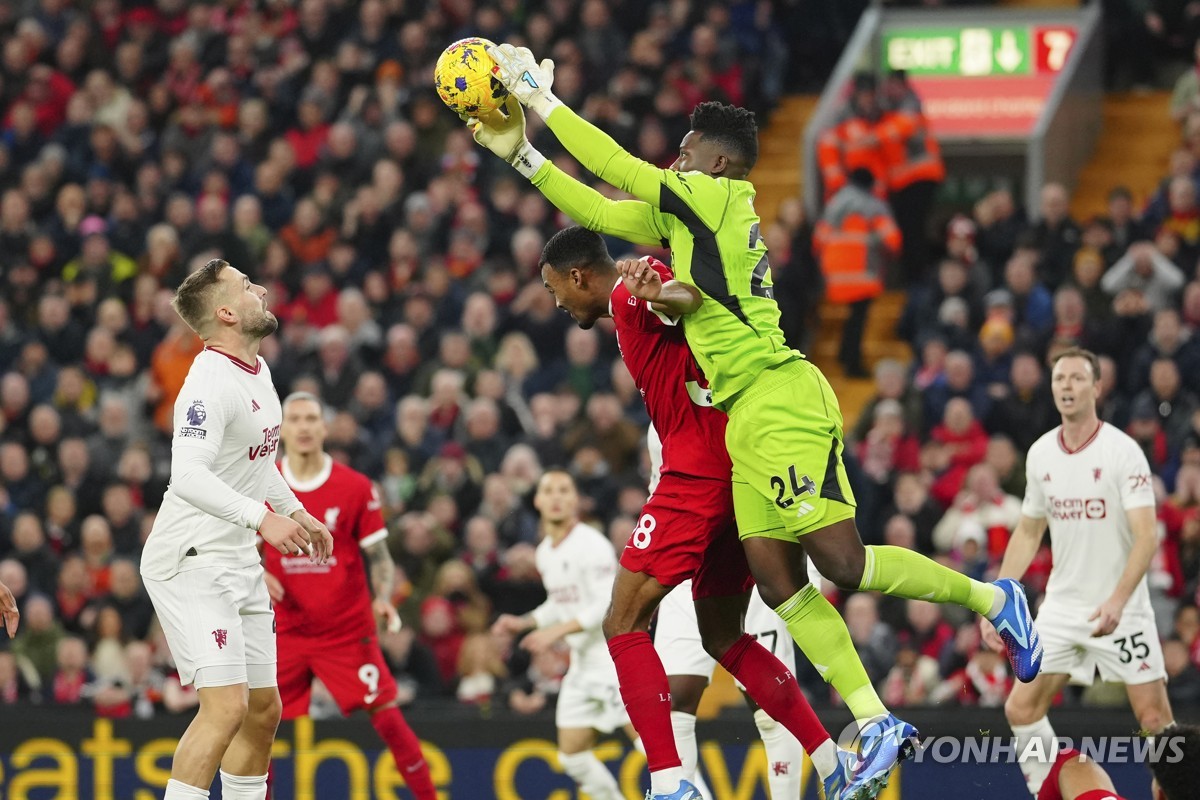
column 1055, row 235
column 37, row 642
column 1168, row 339
column 1143, row 269
column 873, row 639
column 983, row 504
column 1024, row 409
column 957, row 444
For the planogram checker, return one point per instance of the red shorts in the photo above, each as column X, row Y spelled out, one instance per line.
column 687, row 530
column 353, row 670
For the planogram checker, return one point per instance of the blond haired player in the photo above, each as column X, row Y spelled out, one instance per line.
column 200, row 563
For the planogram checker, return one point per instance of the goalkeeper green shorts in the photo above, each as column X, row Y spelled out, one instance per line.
column 785, row 440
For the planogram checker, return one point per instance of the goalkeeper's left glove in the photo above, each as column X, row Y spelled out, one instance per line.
column 503, row 132
column 525, row 78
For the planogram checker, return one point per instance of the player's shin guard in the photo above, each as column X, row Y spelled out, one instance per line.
column 593, row 777
column 406, row 751
column 243, row 787
column 684, row 725
column 1035, row 760
column 819, row 630
column 900, row 572
column 177, row 790
column 647, row 697
column 784, row 756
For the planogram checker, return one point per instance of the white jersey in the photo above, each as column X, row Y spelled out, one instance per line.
column 1084, row 496
column 226, row 436
column 578, row 574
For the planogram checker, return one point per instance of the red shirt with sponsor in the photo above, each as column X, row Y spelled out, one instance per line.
column 674, row 389
column 330, row 598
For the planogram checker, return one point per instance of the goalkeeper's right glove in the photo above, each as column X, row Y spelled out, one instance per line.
column 503, row 133
column 524, row 77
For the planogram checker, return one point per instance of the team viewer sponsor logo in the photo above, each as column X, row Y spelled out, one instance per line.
column 1074, row 508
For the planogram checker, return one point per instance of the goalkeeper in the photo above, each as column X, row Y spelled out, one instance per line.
column 784, row 436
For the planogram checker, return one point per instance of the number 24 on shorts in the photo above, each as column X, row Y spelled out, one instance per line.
column 799, row 483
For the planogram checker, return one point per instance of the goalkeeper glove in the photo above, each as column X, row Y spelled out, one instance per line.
column 503, row 133
column 524, row 78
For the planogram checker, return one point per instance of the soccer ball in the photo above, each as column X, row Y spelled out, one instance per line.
column 464, row 80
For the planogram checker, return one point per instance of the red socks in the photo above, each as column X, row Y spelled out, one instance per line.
column 406, row 750
column 647, row 696
column 775, row 690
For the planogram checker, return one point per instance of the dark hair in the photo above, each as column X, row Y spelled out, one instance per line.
column 574, row 247
column 730, row 127
column 1079, row 352
column 193, row 298
column 1178, row 770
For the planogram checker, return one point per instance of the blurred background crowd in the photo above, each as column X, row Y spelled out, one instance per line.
column 303, row 143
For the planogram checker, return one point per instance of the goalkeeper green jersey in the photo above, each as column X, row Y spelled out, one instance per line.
column 713, row 231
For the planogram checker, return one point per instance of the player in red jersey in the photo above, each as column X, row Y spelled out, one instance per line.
column 1175, row 767
column 325, row 617
column 686, row 530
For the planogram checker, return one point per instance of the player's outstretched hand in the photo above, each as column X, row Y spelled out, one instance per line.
column 509, row 625
column 502, row 132
column 1107, row 617
column 385, row 612
column 525, row 78
column 640, row 279
column 318, row 535
column 274, row 588
column 8, row 607
column 988, row 632
column 285, row 535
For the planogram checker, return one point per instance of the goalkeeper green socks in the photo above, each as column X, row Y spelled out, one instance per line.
column 819, row 630
column 900, row 572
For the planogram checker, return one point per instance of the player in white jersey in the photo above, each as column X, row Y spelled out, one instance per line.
column 577, row 565
column 690, row 668
column 1090, row 484
column 200, row 563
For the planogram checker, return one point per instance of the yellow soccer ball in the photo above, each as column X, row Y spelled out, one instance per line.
column 464, row 80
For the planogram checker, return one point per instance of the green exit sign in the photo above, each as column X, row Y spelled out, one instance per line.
column 966, row 52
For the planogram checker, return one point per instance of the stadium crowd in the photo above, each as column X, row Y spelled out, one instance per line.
column 302, row 143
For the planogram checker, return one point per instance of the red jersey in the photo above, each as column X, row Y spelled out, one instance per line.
column 674, row 389
column 324, row 599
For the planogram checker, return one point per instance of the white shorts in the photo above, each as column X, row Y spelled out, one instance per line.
column 677, row 634
column 590, row 698
column 219, row 625
column 1131, row 654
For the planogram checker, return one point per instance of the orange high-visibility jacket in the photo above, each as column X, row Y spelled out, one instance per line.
column 851, row 143
column 853, row 241
column 910, row 153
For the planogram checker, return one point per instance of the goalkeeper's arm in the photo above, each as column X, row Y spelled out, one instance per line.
column 630, row 220
column 600, row 154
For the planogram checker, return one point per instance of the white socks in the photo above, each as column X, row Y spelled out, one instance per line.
column 177, row 790
column 1035, row 765
column 242, row 787
column 785, row 756
column 684, row 726
column 593, row 777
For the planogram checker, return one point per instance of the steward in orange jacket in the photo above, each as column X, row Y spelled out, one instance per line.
column 913, row 170
column 853, row 141
column 854, row 239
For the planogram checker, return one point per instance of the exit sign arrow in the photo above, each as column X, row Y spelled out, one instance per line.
column 1009, row 55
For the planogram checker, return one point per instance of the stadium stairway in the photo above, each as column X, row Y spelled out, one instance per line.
column 1133, row 151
